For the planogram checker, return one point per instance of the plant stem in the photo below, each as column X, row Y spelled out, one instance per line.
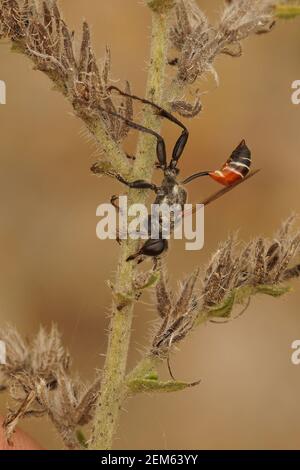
column 287, row 11
column 113, row 388
column 115, row 159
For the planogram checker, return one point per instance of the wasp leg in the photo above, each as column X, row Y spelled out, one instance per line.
column 161, row 146
column 113, row 202
column 138, row 184
column 118, row 239
column 181, row 141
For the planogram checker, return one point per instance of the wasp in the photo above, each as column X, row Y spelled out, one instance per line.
column 172, row 191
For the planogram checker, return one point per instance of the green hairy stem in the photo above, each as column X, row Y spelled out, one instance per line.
column 113, row 388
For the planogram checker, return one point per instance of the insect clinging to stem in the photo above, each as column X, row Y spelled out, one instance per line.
column 171, row 191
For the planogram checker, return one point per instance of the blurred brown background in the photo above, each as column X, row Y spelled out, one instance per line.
column 54, row 269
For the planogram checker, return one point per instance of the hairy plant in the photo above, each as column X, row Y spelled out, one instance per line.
column 38, row 377
column 37, row 373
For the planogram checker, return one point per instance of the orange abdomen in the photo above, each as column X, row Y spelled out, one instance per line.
column 227, row 176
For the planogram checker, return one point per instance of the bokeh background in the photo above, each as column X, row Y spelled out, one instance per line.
column 53, row 268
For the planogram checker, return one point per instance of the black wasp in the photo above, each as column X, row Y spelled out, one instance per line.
column 171, row 191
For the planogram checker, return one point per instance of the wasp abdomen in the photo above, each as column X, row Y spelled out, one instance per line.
column 236, row 167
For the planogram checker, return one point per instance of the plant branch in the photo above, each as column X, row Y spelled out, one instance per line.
column 287, row 11
column 38, row 30
column 144, row 376
column 113, row 390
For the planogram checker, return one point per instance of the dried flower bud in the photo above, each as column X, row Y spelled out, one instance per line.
column 199, row 43
column 38, row 376
column 41, row 33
